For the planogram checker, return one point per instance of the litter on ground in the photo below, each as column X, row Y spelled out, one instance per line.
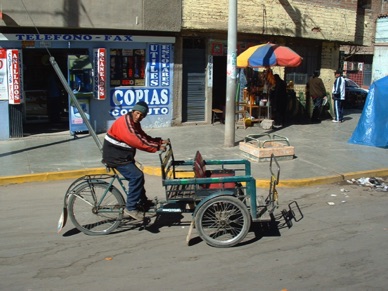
column 371, row 182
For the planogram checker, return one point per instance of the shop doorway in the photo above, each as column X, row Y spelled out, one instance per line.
column 194, row 78
column 46, row 106
column 193, row 85
column 219, row 82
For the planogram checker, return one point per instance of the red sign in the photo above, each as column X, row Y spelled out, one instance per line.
column 217, row 49
column 14, row 79
column 100, row 73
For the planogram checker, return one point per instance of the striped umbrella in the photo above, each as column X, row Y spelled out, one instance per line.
column 268, row 55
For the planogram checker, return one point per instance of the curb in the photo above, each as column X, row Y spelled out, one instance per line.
column 155, row 171
column 50, row 176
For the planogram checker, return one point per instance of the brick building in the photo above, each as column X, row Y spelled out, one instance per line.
column 358, row 57
column 314, row 29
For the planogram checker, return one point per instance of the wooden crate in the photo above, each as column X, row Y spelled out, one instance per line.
column 263, row 154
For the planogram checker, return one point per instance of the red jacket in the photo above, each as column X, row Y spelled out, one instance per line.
column 122, row 140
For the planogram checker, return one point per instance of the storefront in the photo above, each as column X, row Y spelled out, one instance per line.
column 107, row 73
column 253, row 86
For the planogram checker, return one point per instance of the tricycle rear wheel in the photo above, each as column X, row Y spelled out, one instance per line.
column 96, row 208
column 223, row 221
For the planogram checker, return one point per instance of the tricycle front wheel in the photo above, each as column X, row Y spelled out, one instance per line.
column 223, row 221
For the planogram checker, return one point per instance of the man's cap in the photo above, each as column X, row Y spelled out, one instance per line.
column 142, row 107
column 338, row 72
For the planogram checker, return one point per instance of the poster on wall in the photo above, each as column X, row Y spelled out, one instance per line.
column 14, row 76
column 99, row 79
column 3, row 75
column 77, row 124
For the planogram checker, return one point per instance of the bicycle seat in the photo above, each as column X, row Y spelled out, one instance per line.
column 107, row 167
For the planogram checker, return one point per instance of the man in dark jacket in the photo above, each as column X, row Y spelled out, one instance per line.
column 317, row 93
column 119, row 149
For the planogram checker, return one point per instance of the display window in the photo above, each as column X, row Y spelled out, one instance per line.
column 127, row 67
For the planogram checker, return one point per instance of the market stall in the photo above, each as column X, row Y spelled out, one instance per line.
column 256, row 63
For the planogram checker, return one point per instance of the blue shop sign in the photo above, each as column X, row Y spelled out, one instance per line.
column 122, row 100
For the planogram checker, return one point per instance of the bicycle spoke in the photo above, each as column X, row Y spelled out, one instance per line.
column 223, row 221
column 96, row 208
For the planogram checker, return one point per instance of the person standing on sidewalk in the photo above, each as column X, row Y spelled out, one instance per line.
column 338, row 94
column 317, row 93
column 120, row 144
column 280, row 101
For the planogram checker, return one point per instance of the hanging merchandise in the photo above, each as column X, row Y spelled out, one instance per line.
column 269, row 77
column 127, row 67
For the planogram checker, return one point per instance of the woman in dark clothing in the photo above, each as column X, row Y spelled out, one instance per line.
column 280, row 101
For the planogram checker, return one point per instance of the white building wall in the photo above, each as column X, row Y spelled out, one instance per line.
column 380, row 57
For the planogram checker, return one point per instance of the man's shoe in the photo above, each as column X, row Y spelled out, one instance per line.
column 148, row 203
column 138, row 215
column 135, row 214
column 336, row 121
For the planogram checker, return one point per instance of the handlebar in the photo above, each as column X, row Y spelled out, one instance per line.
column 165, row 146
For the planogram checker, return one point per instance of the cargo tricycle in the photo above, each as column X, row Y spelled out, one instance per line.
column 220, row 195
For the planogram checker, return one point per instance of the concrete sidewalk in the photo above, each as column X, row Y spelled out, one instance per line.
column 322, row 153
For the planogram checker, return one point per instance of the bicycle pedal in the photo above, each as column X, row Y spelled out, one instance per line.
column 131, row 220
column 146, row 219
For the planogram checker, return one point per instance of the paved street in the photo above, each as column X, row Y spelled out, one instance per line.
column 334, row 247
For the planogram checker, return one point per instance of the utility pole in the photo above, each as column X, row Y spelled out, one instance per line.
column 231, row 76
